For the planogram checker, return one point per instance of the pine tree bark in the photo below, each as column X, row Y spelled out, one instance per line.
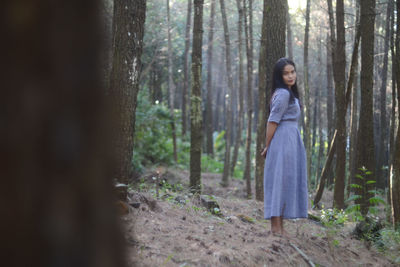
column 395, row 170
column 195, row 100
column 365, row 148
column 128, row 31
column 249, row 51
column 228, row 99
column 56, row 197
column 273, row 45
column 339, row 67
column 209, row 105
column 186, row 69
column 240, row 105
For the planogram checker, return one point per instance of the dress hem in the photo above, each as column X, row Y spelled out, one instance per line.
column 295, row 217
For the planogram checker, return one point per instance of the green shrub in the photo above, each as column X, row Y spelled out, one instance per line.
column 355, row 209
column 153, row 135
column 209, row 164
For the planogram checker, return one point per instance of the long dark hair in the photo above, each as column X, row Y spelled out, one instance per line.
column 278, row 82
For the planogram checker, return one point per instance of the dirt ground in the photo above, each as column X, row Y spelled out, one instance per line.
column 179, row 232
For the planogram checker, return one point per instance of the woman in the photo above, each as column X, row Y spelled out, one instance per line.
column 285, row 173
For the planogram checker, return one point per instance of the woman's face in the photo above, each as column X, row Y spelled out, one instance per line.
column 289, row 75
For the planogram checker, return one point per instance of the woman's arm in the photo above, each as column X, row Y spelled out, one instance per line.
column 271, row 128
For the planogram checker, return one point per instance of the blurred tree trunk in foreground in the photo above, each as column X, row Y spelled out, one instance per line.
column 57, row 207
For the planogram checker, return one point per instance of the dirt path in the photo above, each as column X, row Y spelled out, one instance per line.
column 174, row 234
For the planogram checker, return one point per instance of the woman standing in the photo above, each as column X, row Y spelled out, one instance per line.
column 285, row 171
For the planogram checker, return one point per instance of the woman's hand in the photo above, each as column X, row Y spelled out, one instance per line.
column 264, row 152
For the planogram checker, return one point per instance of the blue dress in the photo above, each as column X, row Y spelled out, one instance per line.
column 285, row 171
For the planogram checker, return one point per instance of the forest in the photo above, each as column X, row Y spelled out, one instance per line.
column 133, row 132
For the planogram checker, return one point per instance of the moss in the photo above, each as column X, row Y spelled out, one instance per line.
column 196, row 114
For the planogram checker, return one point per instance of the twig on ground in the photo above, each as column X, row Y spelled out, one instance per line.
column 306, row 258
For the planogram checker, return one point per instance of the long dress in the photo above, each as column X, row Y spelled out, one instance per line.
column 285, row 171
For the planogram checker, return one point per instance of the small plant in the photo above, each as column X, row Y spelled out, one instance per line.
column 333, row 217
column 216, row 211
column 195, row 208
column 355, row 209
column 335, row 242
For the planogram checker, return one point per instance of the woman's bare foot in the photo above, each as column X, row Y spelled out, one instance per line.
column 275, row 226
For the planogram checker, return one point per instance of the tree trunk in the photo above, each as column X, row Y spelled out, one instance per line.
column 318, row 113
column 395, row 170
column 393, row 113
column 56, row 200
column 195, row 100
column 209, row 105
column 171, row 84
column 365, row 148
column 339, row 67
column 272, row 48
column 306, row 106
column 330, row 50
column 240, row 89
column 353, row 134
column 186, row 69
column 128, row 31
column 249, row 51
column 331, row 153
column 220, row 94
column 228, row 98
column 289, row 35
column 354, row 114
column 321, row 142
column 383, row 151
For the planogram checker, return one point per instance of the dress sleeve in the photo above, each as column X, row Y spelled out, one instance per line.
column 279, row 104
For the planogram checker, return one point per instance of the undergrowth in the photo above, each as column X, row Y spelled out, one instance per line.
column 370, row 228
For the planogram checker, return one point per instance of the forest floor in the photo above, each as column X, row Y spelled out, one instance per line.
column 176, row 230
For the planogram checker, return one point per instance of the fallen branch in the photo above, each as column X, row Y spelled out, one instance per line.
column 306, row 258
